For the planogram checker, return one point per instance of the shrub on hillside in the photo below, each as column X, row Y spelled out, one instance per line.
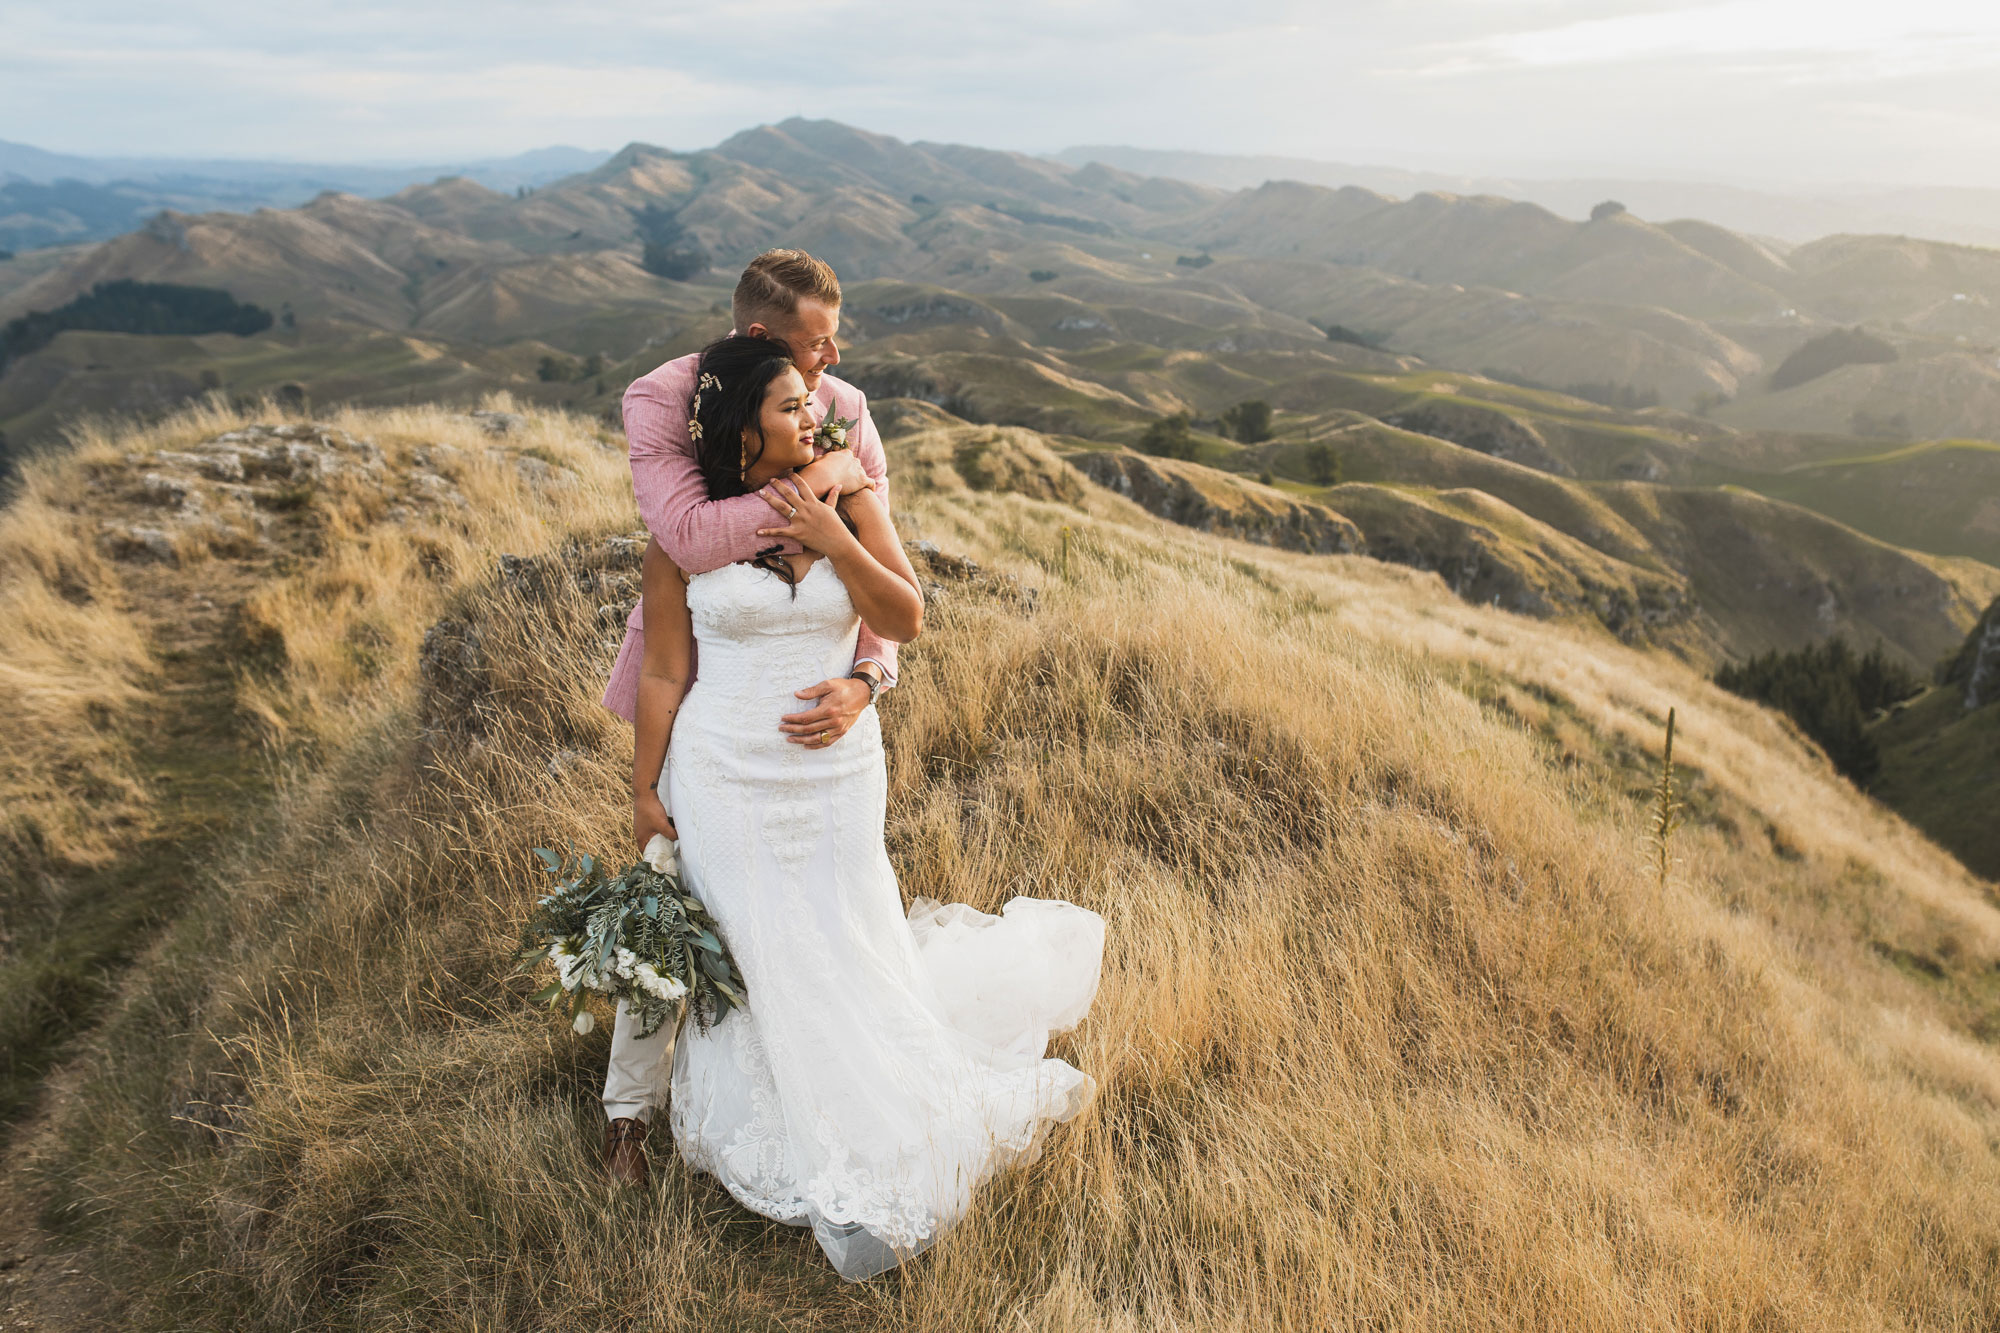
column 1829, row 352
column 1169, row 438
column 1042, row 275
column 1322, row 465
column 1202, row 260
column 125, row 306
column 1340, row 333
column 668, row 249
column 1610, row 208
column 1830, row 691
column 1249, row 422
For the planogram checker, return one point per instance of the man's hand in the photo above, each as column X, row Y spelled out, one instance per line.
column 838, row 466
column 841, row 702
column 649, row 815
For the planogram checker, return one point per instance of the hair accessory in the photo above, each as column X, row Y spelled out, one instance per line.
column 707, row 381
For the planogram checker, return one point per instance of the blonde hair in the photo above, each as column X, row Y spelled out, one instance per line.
column 776, row 281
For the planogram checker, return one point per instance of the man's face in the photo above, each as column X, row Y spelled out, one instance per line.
column 809, row 332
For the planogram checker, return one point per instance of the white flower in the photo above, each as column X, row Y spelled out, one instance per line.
column 660, row 854
column 584, row 1023
column 659, row 987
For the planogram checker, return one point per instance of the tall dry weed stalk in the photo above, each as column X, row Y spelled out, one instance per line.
column 1667, row 810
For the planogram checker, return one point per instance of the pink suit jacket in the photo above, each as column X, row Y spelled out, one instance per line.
column 700, row 534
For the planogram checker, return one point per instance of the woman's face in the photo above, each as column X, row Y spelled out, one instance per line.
column 788, row 423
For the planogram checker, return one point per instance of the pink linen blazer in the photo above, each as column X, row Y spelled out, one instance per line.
column 700, row 534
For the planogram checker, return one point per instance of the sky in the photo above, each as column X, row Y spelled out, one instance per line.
column 1762, row 92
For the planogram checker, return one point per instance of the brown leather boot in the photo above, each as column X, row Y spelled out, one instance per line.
column 625, row 1151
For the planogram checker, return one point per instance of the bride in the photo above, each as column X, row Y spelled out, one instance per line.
column 886, row 1064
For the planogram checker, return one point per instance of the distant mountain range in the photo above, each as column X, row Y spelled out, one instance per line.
column 1573, row 418
column 1803, row 213
column 54, row 198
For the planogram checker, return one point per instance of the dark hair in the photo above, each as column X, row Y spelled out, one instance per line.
column 733, row 375
column 729, row 400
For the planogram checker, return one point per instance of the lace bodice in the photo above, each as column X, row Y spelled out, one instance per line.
column 756, row 641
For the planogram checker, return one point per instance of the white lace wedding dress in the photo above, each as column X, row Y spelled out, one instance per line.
column 887, row 1064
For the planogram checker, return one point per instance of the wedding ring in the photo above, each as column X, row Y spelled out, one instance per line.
column 792, row 512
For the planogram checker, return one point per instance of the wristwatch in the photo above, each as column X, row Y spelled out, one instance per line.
column 874, row 685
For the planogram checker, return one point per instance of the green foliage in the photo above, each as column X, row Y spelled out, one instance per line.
column 1829, row 690
column 1829, row 352
column 1249, row 422
column 1042, row 275
column 125, row 306
column 1266, row 477
column 637, row 936
column 667, row 249
column 1340, row 333
column 1169, row 438
column 1202, row 260
column 1323, row 465
column 1610, row 208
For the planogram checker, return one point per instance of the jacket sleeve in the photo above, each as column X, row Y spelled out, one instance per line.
column 867, row 446
column 697, row 533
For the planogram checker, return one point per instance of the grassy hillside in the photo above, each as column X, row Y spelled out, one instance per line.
column 1398, row 1028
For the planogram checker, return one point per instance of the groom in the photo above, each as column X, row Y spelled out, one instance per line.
column 794, row 299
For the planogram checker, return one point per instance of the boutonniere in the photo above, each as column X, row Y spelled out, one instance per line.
column 832, row 433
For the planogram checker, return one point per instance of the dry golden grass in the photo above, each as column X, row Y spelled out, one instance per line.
column 74, row 668
column 1397, row 1030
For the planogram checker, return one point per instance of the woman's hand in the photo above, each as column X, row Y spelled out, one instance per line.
column 810, row 521
column 649, row 816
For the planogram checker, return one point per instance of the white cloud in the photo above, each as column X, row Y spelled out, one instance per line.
column 1750, row 87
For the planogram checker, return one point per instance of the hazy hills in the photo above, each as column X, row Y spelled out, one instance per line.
column 1797, row 213
column 58, row 198
column 1685, row 310
column 1090, row 303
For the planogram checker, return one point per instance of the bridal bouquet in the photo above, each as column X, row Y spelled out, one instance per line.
column 636, row 937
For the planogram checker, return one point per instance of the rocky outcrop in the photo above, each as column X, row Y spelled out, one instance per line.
column 1482, row 429
column 1211, row 501
column 1976, row 669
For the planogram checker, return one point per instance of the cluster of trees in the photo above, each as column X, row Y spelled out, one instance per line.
column 1202, row 260
column 1830, row 691
column 1042, row 275
column 1169, row 437
column 1828, row 352
column 668, row 249
column 1249, row 422
column 125, row 306
column 1340, row 333
column 558, row 367
column 1323, row 465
